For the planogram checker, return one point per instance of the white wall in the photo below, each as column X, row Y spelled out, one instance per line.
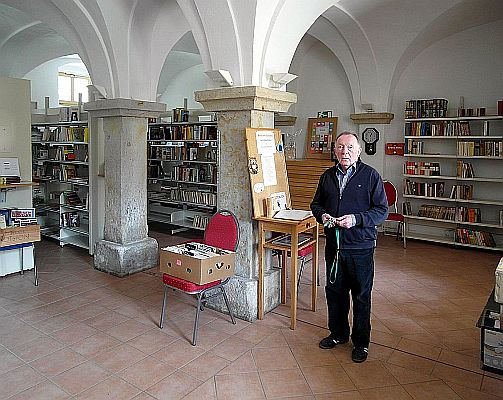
column 321, row 85
column 183, row 86
column 44, row 78
column 15, row 132
column 468, row 64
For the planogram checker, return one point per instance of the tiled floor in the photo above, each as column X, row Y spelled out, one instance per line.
column 87, row 335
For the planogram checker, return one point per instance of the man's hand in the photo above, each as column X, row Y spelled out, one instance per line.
column 328, row 221
column 346, row 221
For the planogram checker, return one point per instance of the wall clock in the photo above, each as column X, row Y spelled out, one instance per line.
column 370, row 136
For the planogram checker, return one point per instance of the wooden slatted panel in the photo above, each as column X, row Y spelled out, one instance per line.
column 303, row 177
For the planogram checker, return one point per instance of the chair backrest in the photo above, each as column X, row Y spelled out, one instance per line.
column 222, row 231
column 391, row 194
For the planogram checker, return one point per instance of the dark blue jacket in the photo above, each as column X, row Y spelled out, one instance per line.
column 363, row 196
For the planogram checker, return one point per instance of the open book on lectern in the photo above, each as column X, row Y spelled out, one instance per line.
column 295, row 215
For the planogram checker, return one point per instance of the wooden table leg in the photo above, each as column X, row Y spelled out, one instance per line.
column 261, row 257
column 283, row 266
column 293, row 279
column 314, row 278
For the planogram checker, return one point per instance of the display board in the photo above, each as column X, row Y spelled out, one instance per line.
column 267, row 169
column 321, row 133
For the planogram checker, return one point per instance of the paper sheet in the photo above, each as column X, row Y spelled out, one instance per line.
column 269, row 170
column 265, row 143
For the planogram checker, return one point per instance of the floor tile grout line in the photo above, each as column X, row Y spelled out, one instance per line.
column 400, row 350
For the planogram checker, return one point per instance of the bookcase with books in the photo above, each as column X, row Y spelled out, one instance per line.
column 183, row 159
column 453, row 180
column 60, row 152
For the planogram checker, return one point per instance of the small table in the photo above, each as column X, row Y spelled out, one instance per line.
column 292, row 228
column 491, row 337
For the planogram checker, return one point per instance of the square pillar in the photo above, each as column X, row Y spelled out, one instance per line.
column 126, row 247
column 239, row 108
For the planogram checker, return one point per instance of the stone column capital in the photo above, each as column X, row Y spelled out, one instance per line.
column 120, row 107
column 242, row 98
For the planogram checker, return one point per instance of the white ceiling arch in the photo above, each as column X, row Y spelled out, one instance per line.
column 82, row 27
column 462, row 16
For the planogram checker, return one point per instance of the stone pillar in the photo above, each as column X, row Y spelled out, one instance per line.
column 126, row 248
column 239, row 108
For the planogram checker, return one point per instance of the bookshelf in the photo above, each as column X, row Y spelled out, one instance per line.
column 453, row 184
column 183, row 160
column 60, row 164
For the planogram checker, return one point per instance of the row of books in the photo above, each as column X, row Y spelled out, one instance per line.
column 477, row 238
column 464, row 169
column 7, row 180
column 70, row 219
column 183, row 153
column 200, row 221
column 464, row 192
column 429, row 189
column 414, row 147
column 63, row 172
column 422, row 168
column 489, row 148
column 426, row 108
column 438, row 128
column 71, row 198
column 183, row 132
column 203, row 173
column 191, row 196
column 61, row 134
column 460, row 214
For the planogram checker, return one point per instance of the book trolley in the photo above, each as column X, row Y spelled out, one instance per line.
column 268, row 178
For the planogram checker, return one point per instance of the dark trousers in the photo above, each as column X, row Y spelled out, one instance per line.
column 355, row 273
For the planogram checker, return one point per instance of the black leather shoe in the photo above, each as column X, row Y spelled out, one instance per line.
column 329, row 342
column 359, row 354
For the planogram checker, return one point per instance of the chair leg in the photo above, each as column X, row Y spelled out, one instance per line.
column 161, row 322
column 404, row 235
column 228, row 305
column 300, row 271
column 196, row 322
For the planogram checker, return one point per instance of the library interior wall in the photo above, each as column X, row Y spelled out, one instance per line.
column 183, row 85
column 321, row 85
column 15, row 131
column 467, row 64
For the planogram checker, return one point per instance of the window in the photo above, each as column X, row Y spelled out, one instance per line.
column 69, row 87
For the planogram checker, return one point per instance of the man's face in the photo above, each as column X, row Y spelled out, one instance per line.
column 347, row 150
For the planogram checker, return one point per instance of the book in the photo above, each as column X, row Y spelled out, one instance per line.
column 296, row 215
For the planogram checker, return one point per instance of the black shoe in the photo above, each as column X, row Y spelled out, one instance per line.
column 329, row 342
column 359, row 354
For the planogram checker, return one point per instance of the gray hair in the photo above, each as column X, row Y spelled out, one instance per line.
column 344, row 133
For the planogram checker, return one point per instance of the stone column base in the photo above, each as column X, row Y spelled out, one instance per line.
column 125, row 259
column 243, row 296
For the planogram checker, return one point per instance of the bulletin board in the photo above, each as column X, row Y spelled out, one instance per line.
column 267, row 167
column 321, row 133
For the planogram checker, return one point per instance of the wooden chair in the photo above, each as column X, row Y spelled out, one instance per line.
column 222, row 231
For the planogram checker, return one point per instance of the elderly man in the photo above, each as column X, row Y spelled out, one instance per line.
column 350, row 201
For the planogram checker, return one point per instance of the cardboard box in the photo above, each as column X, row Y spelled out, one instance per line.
column 197, row 270
column 492, row 350
column 498, row 290
column 18, row 235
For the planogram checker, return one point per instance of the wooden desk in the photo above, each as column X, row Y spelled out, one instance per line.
column 293, row 228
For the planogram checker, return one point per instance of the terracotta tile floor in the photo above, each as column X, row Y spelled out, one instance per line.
column 84, row 334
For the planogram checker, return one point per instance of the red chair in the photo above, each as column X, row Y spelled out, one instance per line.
column 222, row 231
column 393, row 215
